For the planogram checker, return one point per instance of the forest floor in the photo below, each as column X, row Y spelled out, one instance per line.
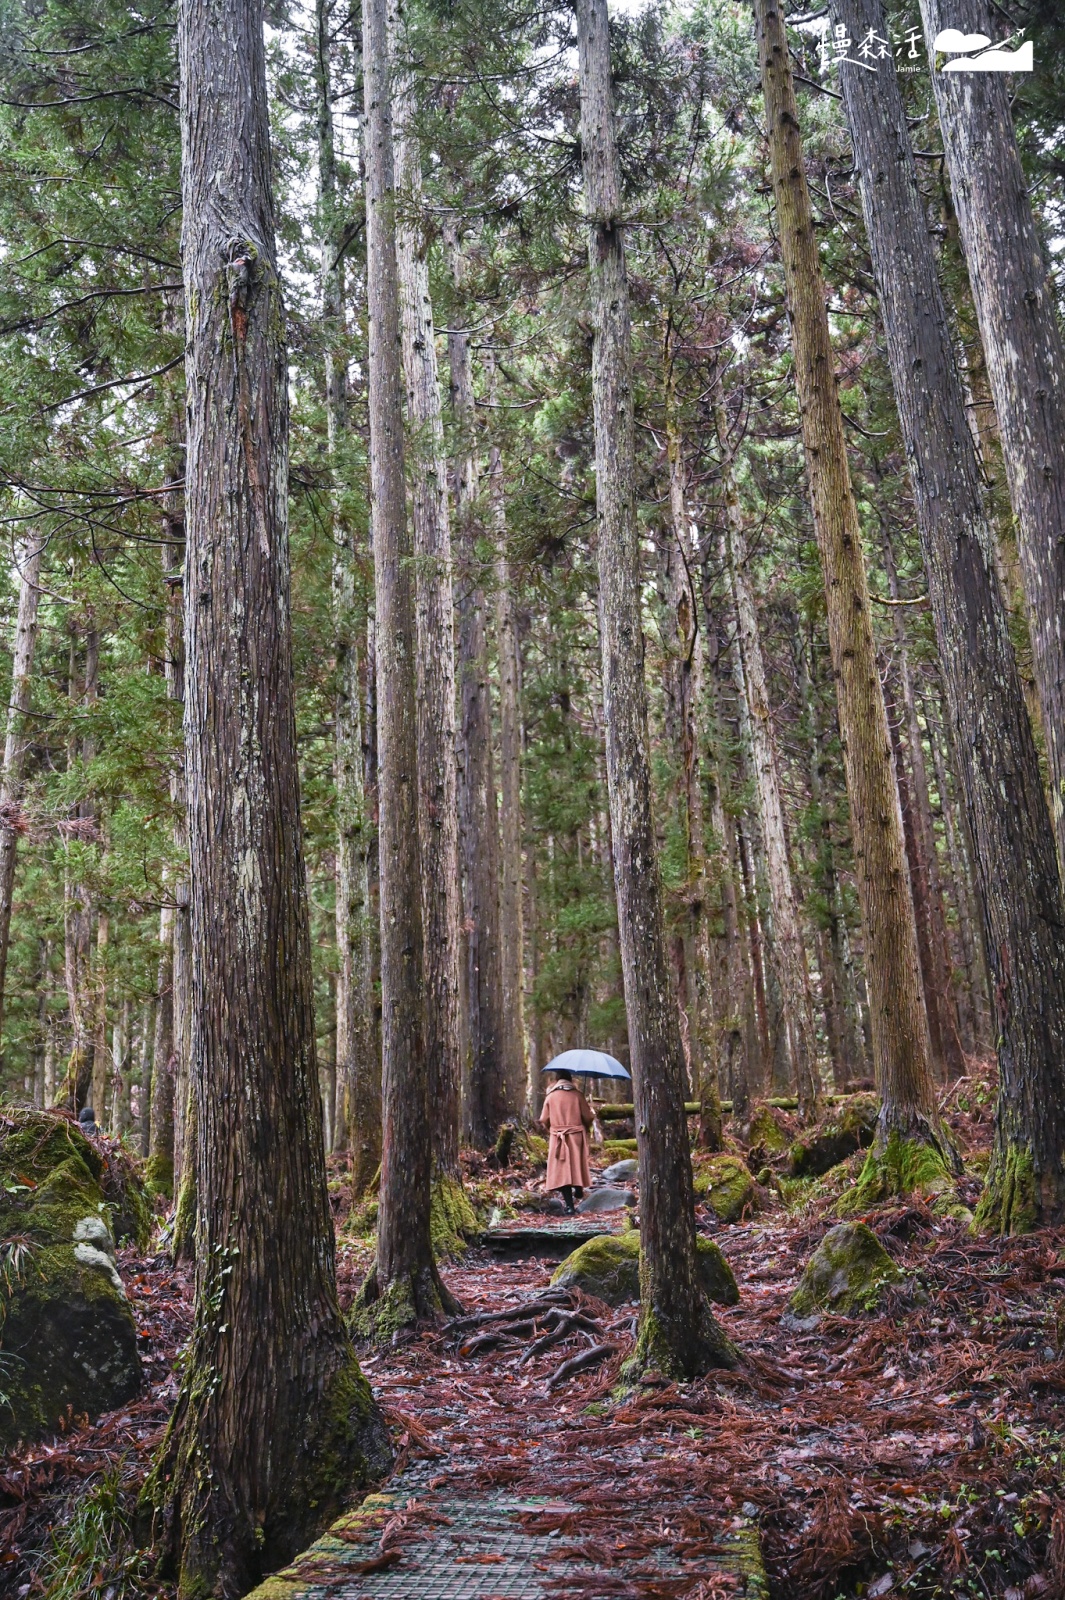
column 917, row 1451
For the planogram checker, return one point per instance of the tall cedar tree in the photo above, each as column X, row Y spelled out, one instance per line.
column 678, row 1334
column 1023, row 345
column 899, row 1027
column 404, row 1284
column 1016, row 872
column 274, row 1420
column 27, row 552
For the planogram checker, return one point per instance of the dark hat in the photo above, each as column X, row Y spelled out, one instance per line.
column 86, row 1114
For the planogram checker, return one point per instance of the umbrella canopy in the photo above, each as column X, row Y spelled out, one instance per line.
column 588, row 1064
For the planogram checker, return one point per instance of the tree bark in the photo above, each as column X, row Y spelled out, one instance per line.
column 1022, row 339
column 788, row 947
column 434, row 607
column 924, row 867
column 274, row 1420
column 357, row 1118
column 78, row 909
column 677, row 1334
column 28, row 566
column 404, row 1284
column 487, row 1099
column 159, row 1172
column 899, row 1027
column 1022, row 913
column 520, row 1091
column 144, row 1091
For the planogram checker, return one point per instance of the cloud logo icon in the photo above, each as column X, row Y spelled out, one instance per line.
column 952, row 40
column 1020, row 60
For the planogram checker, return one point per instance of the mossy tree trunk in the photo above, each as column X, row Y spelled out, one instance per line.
column 677, row 1331
column 899, row 1027
column 1022, row 339
column 274, row 1421
column 1022, row 912
column 404, row 1284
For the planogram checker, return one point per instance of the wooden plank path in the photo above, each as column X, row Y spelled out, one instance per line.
column 411, row 1542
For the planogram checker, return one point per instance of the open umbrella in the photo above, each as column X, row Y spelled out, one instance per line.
column 588, row 1064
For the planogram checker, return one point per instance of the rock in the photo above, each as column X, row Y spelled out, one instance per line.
column 606, row 1199
column 622, row 1171
column 726, row 1185
column 850, row 1126
column 770, row 1132
column 847, row 1272
column 609, row 1268
column 618, row 1149
column 68, row 1336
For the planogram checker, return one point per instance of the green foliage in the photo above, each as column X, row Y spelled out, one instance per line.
column 92, row 1549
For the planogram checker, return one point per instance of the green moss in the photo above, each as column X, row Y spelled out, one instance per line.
column 183, row 1242
column 618, row 1149
column 681, row 1355
column 378, row 1319
column 850, row 1127
column 159, row 1175
column 361, row 1221
column 726, row 1185
column 535, row 1148
column 1009, row 1203
column 743, row 1545
column 609, row 1268
column 452, row 1219
column 847, row 1272
column 768, row 1129
column 900, row 1167
column 67, row 1335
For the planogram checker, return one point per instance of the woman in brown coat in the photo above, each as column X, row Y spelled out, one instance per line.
column 567, row 1116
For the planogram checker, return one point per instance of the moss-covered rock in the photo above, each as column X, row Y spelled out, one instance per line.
column 770, row 1131
column 618, row 1149
column 67, row 1337
column 726, row 1185
column 609, row 1268
column 850, row 1126
column 534, row 1146
column 125, row 1192
column 849, row 1271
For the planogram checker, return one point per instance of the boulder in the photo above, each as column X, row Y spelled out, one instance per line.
column 622, row 1171
column 618, row 1149
column 848, row 1272
column 605, row 1199
column 850, row 1126
column 609, row 1268
column 770, row 1132
column 726, row 1186
column 68, row 1337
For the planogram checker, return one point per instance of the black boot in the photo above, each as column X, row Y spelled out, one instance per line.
column 567, row 1200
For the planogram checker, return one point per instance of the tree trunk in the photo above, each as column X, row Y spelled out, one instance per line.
column 1019, row 891
column 924, row 867
column 78, row 910
column 788, row 947
column 677, row 1334
column 274, row 1420
column 487, row 1103
column 404, row 1284
column 159, row 1172
column 357, row 1120
column 511, row 913
column 899, row 1027
column 434, row 607
column 28, row 566
column 683, row 636
column 102, row 1063
column 144, row 1093
column 1025, row 351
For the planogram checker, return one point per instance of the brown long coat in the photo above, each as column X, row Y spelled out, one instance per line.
column 567, row 1116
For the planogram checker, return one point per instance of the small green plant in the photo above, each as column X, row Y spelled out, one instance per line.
column 16, row 1253
column 92, row 1551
